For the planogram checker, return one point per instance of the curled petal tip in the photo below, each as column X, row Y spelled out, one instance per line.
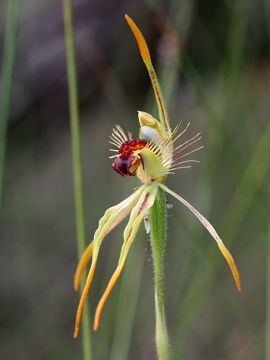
column 96, row 325
column 82, row 265
column 83, row 297
column 106, row 294
column 75, row 335
column 145, row 54
column 238, row 282
column 231, row 264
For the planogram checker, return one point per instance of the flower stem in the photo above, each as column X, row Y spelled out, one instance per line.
column 76, row 154
column 158, row 236
column 7, row 71
column 267, row 321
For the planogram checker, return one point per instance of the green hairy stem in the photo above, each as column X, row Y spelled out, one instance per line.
column 158, row 236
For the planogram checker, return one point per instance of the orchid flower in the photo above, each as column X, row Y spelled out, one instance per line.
column 151, row 158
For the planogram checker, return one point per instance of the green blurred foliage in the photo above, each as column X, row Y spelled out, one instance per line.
column 213, row 63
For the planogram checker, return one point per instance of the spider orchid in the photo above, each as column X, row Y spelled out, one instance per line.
column 151, row 157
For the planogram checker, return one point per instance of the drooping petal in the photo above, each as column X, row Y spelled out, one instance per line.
column 145, row 202
column 112, row 217
column 121, row 211
column 145, row 54
column 213, row 232
column 86, row 256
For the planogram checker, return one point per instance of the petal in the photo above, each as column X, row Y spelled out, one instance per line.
column 86, row 256
column 137, row 214
column 111, row 218
column 145, row 54
column 152, row 166
column 121, row 210
column 213, row 232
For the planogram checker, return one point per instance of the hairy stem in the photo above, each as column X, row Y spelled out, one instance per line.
column 76, row 154
column 158, row 235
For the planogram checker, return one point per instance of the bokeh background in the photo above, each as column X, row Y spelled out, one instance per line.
column 212, row 59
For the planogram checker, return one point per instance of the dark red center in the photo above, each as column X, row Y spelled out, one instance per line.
column 126, row 164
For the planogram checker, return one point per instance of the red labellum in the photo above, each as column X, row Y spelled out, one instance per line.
column 126, row 163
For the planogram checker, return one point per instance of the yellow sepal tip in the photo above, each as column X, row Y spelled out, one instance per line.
column 82, row 265
column 145, row 54
column 232, row 266
column 106, row 295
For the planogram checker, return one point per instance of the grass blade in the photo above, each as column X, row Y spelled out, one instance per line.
column 76, row 154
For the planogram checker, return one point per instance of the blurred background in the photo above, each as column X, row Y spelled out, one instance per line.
column 212, row 59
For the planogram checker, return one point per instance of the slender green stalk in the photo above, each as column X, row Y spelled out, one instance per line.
column 158, row 235
column 76, row 154
column 7, row 71
column 267, row 321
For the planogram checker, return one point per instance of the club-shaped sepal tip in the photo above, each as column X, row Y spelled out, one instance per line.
column 140, row 40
